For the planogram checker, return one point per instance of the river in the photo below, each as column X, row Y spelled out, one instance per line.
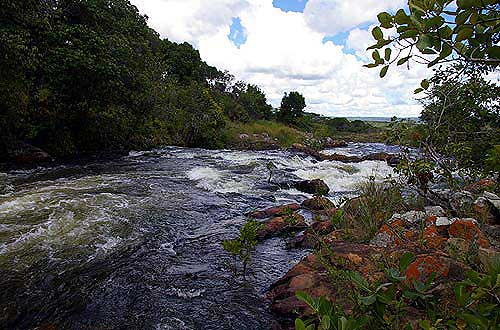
column 135, row 242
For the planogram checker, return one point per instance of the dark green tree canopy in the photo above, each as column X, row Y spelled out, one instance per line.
column 292, row 107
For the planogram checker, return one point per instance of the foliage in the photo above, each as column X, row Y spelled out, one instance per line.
column 478, row 299
column 385, row 305
column 459, row 128
column 378, row 201
column 328, row 316
column 86, row 76
column 337, row 219
column 242, row 247
column 439, row 31
column 284, row 135
column 292, row 107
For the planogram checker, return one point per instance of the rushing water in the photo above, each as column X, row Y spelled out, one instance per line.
column 135, row 243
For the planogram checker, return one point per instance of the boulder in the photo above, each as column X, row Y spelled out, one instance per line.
column 26, row 154
column 331, row 143
column 282, row 225
column 468, row 230
column 438, row 211
column 274, row 211
column 310, row 276
column 393, row 161
column 315, row 187
column 318, row 203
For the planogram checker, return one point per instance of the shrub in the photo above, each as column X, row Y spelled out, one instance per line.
column 378, row 201
column 242, row 247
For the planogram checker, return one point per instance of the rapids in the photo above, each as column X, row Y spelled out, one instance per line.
column 135, row 243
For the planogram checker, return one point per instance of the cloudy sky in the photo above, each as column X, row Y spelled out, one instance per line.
column 316, row 47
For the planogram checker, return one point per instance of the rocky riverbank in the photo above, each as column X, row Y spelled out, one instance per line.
column 444, row 244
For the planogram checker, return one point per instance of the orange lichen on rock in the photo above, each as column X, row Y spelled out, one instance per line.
column 469, row 231
column 430, row 221
column 425, row 265
column 432, row 238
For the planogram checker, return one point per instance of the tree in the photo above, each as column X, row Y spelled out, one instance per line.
column 462, row 118
column 439, row 31
column 292, row 107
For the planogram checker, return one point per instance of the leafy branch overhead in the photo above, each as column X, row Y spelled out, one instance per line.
column 438, row 31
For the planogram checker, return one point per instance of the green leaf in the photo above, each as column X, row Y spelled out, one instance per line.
column 406, row 260
column 493, row 52
column 299, row 324
column 424, row 41
column 418, row 90
column 376, row 56
column 403, row 60
column 445, row 32
column 463, row 34
column 385, row 20
column 383, row 72
column 388, row 52
column 377, row 33
column 369, row 300
column 401, row 17
column 325, row 322
column 462, row 17
column 465, row 4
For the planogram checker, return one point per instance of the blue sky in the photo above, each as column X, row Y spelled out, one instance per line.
column 316, row 47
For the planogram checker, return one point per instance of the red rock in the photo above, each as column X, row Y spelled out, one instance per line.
column 281, row 225
column 425, row 265
column 318, row 203
column 468, row 231
column 275, row 211
column 432, row 238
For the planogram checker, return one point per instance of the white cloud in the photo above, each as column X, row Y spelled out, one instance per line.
column 334, row 16
column 284, row 52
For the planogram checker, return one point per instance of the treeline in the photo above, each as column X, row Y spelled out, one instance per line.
column 80, row 76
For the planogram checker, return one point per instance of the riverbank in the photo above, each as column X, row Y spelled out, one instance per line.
column 382, row 258
column 257, row 135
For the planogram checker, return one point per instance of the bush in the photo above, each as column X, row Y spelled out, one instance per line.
column 242, row 247
column 377, row 202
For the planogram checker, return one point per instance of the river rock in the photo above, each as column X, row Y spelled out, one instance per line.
column 282, row 225
column 26, row 154
column 318, row 203
column 275, row 211
column 315, row 187
column 331, row 143
column 310, row 276
column 468, row 230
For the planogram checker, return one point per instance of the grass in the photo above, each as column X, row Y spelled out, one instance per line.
column 279, row 133
column 378, row 201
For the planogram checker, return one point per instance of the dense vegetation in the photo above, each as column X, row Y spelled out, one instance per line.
column 82, row 76
column 86, row 76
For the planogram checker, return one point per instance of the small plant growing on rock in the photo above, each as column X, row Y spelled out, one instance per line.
column 242, row 247
column 337, row 219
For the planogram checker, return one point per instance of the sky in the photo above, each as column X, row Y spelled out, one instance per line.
column 315, row 47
